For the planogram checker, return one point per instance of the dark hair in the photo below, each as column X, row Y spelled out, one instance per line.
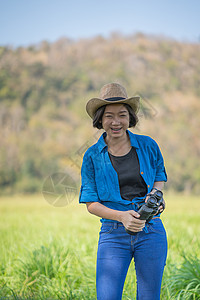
column 97, row 121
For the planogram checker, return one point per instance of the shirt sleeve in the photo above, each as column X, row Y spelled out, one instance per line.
column 88, row 190
column 161, row 174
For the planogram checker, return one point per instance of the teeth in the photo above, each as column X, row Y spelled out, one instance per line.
column 116, row 129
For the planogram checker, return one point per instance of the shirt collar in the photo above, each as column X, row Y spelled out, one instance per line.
column 102, row 144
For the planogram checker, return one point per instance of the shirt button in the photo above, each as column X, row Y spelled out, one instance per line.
column 142, row 172
column 148, row 185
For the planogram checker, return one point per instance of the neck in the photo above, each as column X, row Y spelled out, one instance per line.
column 120, row 142
column 113, row 141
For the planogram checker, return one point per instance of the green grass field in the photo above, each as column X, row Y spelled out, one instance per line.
column 48, row 252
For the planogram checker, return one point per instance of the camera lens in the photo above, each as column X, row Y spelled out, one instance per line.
column 158, row 195
column 152, row 202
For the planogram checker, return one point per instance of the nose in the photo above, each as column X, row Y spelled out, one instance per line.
column 115, row 121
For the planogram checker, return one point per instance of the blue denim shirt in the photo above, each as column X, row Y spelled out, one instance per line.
column 100, row 180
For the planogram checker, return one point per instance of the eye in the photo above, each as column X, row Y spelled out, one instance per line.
column 123, row 115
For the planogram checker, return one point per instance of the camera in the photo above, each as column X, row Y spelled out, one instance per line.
column 150, row 208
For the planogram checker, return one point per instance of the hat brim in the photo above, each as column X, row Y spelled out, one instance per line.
column 94, row 103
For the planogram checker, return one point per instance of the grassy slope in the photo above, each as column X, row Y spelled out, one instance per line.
column 49, row 252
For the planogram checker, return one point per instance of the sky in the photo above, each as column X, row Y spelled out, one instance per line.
column 28, row 22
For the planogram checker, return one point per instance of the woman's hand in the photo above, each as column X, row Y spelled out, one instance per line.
column 161, row 207
column 130, row 220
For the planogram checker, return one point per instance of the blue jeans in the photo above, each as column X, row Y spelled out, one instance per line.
column 116, row 248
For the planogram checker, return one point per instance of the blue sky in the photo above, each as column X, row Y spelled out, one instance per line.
column 25, row 22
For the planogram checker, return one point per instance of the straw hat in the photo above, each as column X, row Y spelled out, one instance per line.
column 112, row 93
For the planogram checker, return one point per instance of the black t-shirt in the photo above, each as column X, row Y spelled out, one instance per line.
column 128, row 169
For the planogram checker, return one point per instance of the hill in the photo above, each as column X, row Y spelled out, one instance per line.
column 44, row 88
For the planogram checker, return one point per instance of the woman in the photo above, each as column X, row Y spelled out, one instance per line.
column 118, row 174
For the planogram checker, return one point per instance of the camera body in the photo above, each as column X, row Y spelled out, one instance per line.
column 150, row 208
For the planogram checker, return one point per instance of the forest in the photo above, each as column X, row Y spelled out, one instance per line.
column 44, row 88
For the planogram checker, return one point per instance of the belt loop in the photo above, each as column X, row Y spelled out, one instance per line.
column 115, row 225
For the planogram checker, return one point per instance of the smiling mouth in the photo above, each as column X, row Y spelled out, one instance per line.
column 116, row 129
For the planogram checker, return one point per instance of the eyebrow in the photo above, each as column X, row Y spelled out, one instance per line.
column 122, row 111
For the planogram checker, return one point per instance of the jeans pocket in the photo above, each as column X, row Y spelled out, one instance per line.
column 106, row 229
column 156, row 227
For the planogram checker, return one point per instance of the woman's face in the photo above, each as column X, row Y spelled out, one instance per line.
column 115, row 120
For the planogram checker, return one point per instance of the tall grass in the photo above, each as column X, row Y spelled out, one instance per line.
column 185, row 281
column 50, row 253
column 54, row 271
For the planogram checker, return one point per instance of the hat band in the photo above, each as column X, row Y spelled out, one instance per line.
column 114, row 98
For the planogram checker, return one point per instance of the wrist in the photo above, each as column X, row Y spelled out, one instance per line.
column 154, row 189
column 119, row 216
